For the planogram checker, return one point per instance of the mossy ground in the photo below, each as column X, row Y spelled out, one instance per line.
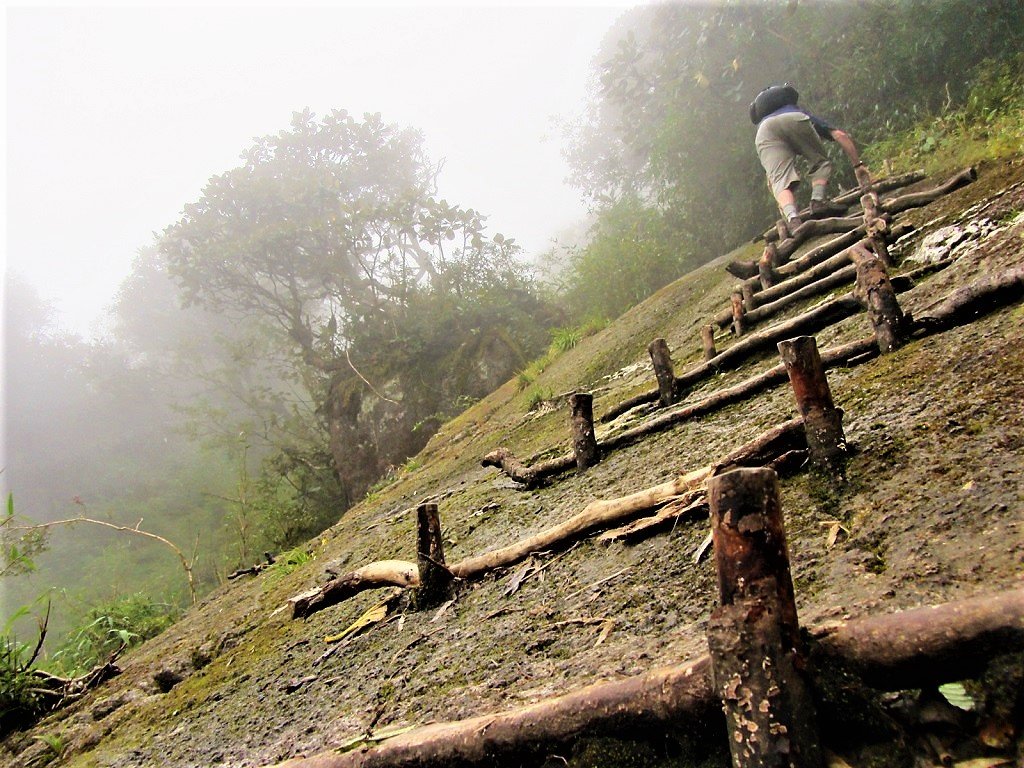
column 931, row 511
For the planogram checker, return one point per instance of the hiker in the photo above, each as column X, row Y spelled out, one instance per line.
column 785, row 131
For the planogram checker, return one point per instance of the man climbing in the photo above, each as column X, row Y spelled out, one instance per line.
column 785, row 131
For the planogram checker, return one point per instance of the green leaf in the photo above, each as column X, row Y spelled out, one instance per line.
column 957, row 695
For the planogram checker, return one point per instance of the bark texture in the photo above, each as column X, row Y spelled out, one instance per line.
column 823, row 422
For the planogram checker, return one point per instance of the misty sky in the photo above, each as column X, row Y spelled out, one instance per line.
column 116, row 117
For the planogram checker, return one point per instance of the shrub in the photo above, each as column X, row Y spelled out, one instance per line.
column 107, row 627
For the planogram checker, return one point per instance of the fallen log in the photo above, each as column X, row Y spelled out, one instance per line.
column 917, row 199
column 814, row 228
column 806, row 323
column 966, row 304
column 901, row 283
column 767, row 446
column 969, row 299
column 814, row 256
column 383, row 573
column 809, row 322
column 851, row 197
column 534, row 473
column 881, row 186
column 910, row 649
column 599, row 514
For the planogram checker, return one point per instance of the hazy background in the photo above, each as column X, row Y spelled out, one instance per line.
column 116, row 117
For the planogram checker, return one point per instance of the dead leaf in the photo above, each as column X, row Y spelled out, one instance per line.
column 699, row 554
column 834, row 529
column 606, row 629
column 519, row 576
column 376, row 614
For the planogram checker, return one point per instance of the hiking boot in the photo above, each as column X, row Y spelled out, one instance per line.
column 823, row 209
column 792, row 224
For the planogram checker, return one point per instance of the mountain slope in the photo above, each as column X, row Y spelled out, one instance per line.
column 931, row 512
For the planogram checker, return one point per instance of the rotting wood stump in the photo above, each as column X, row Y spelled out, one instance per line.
column 437, row 584
column 707, row 338
column 738, row 326
column 661, row 359
column 584, row 441
column 823, row 422
column 875, row 291
column 754, row 636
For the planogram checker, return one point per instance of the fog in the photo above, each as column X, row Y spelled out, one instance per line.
column 116, row 117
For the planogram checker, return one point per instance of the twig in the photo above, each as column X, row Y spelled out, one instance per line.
column 597, row 583
column 185, row 564
column 367, row 383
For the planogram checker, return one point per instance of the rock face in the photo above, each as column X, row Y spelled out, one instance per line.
column 930, row 511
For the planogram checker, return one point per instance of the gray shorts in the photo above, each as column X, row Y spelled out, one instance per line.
column 780, row 140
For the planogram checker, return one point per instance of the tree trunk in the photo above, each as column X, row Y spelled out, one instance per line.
column 707, row 337
column 737, row 313
column 769, row 711
column 766, row 269
column 437, row 584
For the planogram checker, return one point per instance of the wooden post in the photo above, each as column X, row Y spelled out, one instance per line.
column 823, row 422
column 766, row 271
column 737, row 312
column 754, row 635
column 436, row 582
column 863, row 178
column 749, row 297
column 584, row 442
column 707, row 337
column 876, row 226
column 875, row 292
column 661, row 359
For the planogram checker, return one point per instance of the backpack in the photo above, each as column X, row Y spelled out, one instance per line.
column 770, row 99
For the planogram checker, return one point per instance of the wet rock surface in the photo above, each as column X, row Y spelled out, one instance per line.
column 931, row 511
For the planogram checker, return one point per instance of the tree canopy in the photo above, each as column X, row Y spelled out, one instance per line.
column 387, row 296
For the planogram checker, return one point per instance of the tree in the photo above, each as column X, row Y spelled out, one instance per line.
column 385, row 297
column 669, row 122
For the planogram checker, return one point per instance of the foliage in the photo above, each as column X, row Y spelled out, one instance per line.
column 286, row 562
column 990, row 125
column 20, row 701
column 630, row 255
column 55, row 744
column 18, row 547
column 668, row 139
column 109, row 627
column 389, row 303
column 537, row 397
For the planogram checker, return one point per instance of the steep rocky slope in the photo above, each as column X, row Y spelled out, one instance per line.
column 931, row 513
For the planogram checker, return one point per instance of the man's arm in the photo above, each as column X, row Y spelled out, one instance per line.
column 842, row 138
